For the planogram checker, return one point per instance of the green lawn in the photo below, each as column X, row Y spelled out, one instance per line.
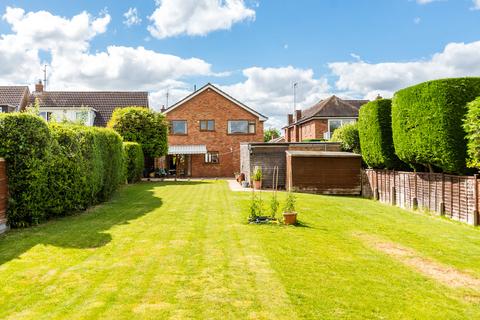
column 184, row 250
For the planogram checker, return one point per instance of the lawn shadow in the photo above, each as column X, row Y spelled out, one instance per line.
column 87, row 229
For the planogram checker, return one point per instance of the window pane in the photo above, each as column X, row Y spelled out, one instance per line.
column 211, row 125
column 251, row 127
column 203, row 125
column 237, row 126
column 335, row 124
column 179, row 127
column 211, row 157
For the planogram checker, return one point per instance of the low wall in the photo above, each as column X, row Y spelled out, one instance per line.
column 453, row 196
column 3, row 195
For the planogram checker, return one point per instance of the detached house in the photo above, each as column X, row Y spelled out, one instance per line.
column 321, row 120
column 206, row 129
column 93, row 108
column 13, row 98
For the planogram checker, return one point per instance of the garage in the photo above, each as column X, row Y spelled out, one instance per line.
column 324, row 172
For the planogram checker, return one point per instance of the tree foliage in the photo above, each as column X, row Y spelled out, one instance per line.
column 270, row 134
column 348, row 137
column 142, row 125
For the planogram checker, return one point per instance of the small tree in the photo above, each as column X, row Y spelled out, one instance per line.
column 271, row 133
column 144, row 126
column 348, row 136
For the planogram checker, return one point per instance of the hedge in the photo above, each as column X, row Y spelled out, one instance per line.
column 375, row 131
column 134, row 161
column 25, row 144
column 141, row 125
column 427, row 123
column 347, row 135
column 57, row 169
column 472, row 127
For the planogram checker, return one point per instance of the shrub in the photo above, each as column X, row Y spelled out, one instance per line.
column 427, row 123
column 141, row 125
column 257, row 174
column 56, row 169
column 472, row 127
column 347, row 135
column 375, row 131
column 133, row 161
column 25, row 144
column 289, row 206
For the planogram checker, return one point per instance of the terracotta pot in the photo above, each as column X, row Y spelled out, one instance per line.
column 257, row 185
column 290, row 218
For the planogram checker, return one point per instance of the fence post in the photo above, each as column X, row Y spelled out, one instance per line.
column 442, row 200
column 475, row 197
column 376, row 195
column 393, row 197
column 415, row 200
column 3, row 195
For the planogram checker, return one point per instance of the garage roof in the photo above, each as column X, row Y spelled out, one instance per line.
column 322, row 154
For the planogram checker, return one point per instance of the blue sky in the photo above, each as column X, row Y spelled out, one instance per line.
column 254, row 50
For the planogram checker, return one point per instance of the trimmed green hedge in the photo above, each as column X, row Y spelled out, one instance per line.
column 375, row 131
column 134, row 161
column 427, row 123
column 25, row 144
column 58, row 168
column 348, row 137
column 472, row 127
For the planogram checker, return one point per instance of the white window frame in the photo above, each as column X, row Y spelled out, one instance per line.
column 343, row 121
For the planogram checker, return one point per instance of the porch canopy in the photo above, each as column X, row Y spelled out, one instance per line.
column 187, row 149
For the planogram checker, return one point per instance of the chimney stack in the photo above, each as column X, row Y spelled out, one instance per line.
column 39, row 86
column 290, row 119
column 298, row 115
column 163, row 108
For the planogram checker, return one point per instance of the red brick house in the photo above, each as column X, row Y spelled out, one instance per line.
column 206, row 129
column 321, row 120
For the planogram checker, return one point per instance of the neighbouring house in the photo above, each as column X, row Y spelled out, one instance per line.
column 206, row 129
column 320, row 121
column 13, row 98
column 277, row 140
column 93, row 108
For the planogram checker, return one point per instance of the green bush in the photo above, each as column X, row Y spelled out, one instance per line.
column 375, row 131
column 347, row 135
column 472, row 127
column 25, row 144
column 134, row 161
column 57, row 169
column 427, row 123
column 141, row 125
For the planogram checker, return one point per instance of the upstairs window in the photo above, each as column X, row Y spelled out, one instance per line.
column 241, row 127
column 178, row 127
column 207, row 125
column 211, row 157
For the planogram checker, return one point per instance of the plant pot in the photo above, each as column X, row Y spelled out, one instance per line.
column 290, row 218
column 257, row 185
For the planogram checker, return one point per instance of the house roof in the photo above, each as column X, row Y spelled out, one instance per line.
column 13, row 95
column 332, row 107
column 225, row 95
column 104, row 102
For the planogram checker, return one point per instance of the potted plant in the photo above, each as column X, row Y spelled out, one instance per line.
column 257, row 178
column 289, row 213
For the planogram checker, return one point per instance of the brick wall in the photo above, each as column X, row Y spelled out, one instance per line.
column 3, row 195
column 210, row 105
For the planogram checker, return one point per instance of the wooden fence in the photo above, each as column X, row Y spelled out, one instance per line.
column 456, row 197
column 3, row 195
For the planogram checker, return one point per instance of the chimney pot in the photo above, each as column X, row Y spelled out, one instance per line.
column 39, row 86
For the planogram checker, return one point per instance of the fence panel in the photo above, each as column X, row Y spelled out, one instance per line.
column 453, row 196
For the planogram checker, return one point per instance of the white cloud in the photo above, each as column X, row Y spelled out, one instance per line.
column 270, row 91
column 361, row 78
column 476, row 5
column 196, row 17
column 425, row 1
column 73, row 66
column 131, row 17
